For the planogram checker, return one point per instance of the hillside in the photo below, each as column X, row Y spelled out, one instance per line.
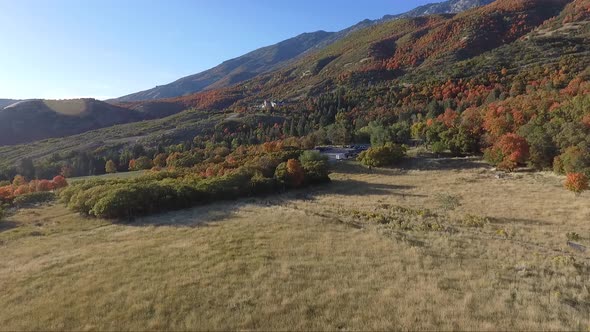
column 6, row 102
column 235, row 70
column 276, row 56
column 33, row 120
column 398, row 49
column 475, row 86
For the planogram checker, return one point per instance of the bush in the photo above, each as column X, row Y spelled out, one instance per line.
column 2, row 213
column 33, row 199
column 387, row 155
column 576, row 182
column 573, row 160
column 438, row 147
column 316, row 167
column 508, row 152
column 290, row 173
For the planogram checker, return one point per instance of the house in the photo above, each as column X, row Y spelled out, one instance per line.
column 337, row 153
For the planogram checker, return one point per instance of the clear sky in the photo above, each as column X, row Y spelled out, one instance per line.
column 109, row 48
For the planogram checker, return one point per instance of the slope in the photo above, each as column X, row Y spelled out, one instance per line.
column 276, row 56
column 32, row 120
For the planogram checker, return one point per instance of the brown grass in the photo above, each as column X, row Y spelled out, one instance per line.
column 316, row 260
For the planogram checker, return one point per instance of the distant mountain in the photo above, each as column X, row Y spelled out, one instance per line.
column 273, row 57
column 446, row 7
column 31, row 120
column 6, row 102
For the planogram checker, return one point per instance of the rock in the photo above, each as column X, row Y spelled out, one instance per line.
column 576, row 246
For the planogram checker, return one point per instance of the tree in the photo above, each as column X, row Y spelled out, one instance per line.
column 18, row 180
column 111, row 167
column 290, row 173
column 387, row 155
column 509, row 151
column 316, row 166
column 160, row 160
column 143, row 163
column 295, row 172
column 59, row 182
column 576, row 182
column 26, row 168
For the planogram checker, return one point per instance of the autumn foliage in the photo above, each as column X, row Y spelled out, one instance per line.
column 576, row 182
column 508, row 152
column 20, row 187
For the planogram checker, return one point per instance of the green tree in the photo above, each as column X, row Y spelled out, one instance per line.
column 316, row 166
column 110, row 167
column 387, row 155
column 26, row 168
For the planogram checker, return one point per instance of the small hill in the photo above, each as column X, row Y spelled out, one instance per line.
column 7, row 102
column 32, row 120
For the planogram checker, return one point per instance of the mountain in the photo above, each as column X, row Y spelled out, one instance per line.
column 404, row 48
column 496, row 67
column 6, row 102
column 32, row 120
column 273, row 57
column 446, row 7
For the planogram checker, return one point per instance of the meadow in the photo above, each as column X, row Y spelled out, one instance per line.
column 375, row 249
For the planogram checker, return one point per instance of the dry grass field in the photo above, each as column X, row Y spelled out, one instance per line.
column 437, row 245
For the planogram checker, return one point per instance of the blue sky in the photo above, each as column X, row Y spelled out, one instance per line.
column 108, row 48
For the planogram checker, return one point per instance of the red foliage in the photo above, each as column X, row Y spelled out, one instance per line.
column 59, row 182
column 449, row 118
column 6, row 193
column 44, row 185
column 514, row 147
column 576, row 182
column 22, row 189
column 295, row 172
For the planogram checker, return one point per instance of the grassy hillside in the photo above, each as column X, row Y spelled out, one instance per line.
column 176, row 128
column 381, row 250
column 33, row 120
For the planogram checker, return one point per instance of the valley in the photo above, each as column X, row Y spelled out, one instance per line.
column 428, row 170
column 314, row 259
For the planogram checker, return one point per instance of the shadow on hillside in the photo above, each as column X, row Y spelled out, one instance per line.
column 354, row 187
column 200, row 216
column 208, row 215
column 6, row 225
column 523, row 222
column 414, row 163
column 445, row 163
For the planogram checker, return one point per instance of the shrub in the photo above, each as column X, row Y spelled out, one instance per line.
column 110, row 167
column 576, row 182
column 33, row 198
column 573, row 160
column 59, row 182
column 508, row 152
column 438, row 147
column 2, row 213
column 160, row 160
column 448, row 202
column 141, row 163
column 6, row 194
column 290, row 173
column 19, row 180
column 316, row 166
column 387, row 155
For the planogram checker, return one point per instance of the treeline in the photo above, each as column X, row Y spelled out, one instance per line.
column 257, row 170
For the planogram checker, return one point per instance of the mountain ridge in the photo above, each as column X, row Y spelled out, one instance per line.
column 260, row 61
